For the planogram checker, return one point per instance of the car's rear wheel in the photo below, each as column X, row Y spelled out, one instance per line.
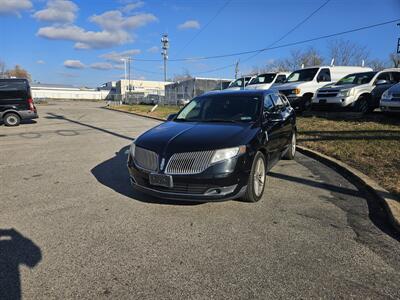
column 11, row 119
column 291, row 151
column 257, row 179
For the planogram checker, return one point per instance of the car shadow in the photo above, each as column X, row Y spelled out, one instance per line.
column 23, row 122
column 15, row 250
column 113, row 173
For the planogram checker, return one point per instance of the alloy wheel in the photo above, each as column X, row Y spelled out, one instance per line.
column 259, row 177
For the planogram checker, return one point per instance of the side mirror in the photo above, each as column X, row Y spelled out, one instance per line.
column 381, row 81
column 171, row 117
column 272, row 117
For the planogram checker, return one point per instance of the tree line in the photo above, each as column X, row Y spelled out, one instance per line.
column 16, row 72
column 341, row 52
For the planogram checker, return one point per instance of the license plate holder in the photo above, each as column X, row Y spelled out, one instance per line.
column 161, row 180
column 322, row 101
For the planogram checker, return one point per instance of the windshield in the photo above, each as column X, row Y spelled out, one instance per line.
column 302, row 75
column 239, row 82
column 264, row 78
column 221, row 108
column 358, row 78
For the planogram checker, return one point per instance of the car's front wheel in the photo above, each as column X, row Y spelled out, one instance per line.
column 257, row 179
column 11, row 119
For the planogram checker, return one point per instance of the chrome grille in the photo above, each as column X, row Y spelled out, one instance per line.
column 146, row 159
column 328, row 93
column 189, row 162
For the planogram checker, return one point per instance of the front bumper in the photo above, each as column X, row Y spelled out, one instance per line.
column 390, row 106
column 214, row 184
column 333, row 102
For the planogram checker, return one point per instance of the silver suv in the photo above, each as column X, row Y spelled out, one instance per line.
column 359, row 91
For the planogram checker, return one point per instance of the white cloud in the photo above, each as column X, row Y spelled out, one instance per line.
column 117, row 56
column 85, row 39
column 132, row 6
column 119, row 67
column 59, row 11
column 101, row 66
column 190, row 24
column 153, row 49
column 14, row 6
column 113, row 20
column 73, row 64
column 41, row 62
column 116, row 30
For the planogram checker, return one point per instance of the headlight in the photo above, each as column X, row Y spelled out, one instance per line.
column 346, row 93
column 296, row 91
column 133, row 147
column 223, row 154
column 386, row 95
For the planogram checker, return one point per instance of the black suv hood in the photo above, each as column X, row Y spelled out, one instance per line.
column 174, row 137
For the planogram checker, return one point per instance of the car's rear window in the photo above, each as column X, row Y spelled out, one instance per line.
column 13, row 90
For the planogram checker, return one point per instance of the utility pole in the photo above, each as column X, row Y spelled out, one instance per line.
column 124, row 60
column 398, row 43
column 164, row 53
column 236, row 69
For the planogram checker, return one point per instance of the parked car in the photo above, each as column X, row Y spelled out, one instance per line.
column 240, row 83
column 301, row 85
column 390, row 101
column 359, row 91
column 16, row 102
column 266, row 80
column 219, row 146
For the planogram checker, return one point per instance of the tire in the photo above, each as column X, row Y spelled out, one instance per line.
column 362, row 105
column 307, row 103
column 291, row 151
column 11, row 119
column 254, row 191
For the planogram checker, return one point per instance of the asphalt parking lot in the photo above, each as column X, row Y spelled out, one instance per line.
column 81, row 232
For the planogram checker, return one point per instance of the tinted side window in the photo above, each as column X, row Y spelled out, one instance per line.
column 324, row 75
column 277, row 100
column 268, row 104
column 383, row 76
column 280, row 79
column 396, row 77
column 13, row 90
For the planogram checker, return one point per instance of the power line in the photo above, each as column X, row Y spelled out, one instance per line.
column 278, row 40
column 205, row 26
column 276, row 47
column 293, row 43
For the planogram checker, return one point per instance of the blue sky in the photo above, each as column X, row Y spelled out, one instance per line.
column 81, row 42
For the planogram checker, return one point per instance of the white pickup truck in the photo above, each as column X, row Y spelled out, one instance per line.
column 301, row 85
column 360, row 92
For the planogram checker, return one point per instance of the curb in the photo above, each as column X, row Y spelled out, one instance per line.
column 391, row 205
column 135, row 114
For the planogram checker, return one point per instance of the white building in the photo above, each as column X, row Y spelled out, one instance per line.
column 58, row 91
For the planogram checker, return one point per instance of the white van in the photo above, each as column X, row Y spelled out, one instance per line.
column 266, row 80
column 302, row 84
column 240, row 83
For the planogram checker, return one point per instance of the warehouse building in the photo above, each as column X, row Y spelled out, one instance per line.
column 187, row 89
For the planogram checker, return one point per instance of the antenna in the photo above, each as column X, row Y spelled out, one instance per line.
column 332, row 62
column 362, row 63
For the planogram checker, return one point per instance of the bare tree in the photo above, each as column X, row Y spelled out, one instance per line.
column 185, row 75
column 395, row 60
column 347, row 53
column 377, row 64
column 18, row 72
column 2, row 69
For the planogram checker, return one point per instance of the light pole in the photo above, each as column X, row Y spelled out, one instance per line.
column 124, row 60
